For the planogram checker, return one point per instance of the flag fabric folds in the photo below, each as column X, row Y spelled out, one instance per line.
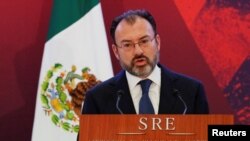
column 76, row 57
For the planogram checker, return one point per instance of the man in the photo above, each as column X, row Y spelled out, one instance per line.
column 136, row 46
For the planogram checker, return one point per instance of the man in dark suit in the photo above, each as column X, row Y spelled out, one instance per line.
column 136, row 46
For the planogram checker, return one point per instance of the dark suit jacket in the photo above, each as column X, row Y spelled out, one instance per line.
column 102, row 98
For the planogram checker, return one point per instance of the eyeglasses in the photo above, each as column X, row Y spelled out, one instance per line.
column 143, row 43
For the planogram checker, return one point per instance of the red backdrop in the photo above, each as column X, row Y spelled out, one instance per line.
column 197, row 40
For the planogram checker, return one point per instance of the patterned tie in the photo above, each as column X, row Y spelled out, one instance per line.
column 145, row 105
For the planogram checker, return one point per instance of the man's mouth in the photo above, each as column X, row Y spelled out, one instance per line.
column 140, row 61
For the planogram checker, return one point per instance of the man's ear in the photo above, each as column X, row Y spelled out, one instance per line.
column 115, row 50
column 158, row 41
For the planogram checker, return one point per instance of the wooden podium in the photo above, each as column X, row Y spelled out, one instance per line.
column 149, row 127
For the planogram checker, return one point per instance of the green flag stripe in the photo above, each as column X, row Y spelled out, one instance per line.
column 66, row 12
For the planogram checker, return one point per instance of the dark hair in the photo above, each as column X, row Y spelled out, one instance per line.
column 130, row 16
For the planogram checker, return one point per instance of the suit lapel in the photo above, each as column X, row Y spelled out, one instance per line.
column 167, row 97
column 126, row 103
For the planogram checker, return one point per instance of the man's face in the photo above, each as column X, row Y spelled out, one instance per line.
column 143, row 54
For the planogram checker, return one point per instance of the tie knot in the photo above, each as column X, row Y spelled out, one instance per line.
column 145, row 84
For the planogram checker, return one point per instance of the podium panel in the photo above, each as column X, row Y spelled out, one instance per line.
column 149, row 127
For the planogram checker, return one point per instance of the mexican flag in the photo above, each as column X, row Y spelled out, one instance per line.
column 76, row 57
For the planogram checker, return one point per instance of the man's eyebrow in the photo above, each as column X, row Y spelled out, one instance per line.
column 143, row 37
column 146, row 36
column 126, row 41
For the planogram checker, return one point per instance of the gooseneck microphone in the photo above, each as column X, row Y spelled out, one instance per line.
column 177, row 92
column 119, row 95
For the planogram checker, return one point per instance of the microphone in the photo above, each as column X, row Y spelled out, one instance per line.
column 184, row 103
column 119, row 95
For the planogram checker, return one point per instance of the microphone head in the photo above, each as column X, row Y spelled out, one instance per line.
column 176, row 91
column 120, row 92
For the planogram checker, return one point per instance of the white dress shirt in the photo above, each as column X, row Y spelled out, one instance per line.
column 154, row 90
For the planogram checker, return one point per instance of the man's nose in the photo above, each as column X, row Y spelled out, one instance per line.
column 138, row 49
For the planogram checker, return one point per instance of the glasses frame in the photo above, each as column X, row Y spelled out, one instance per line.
column 140, row 44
